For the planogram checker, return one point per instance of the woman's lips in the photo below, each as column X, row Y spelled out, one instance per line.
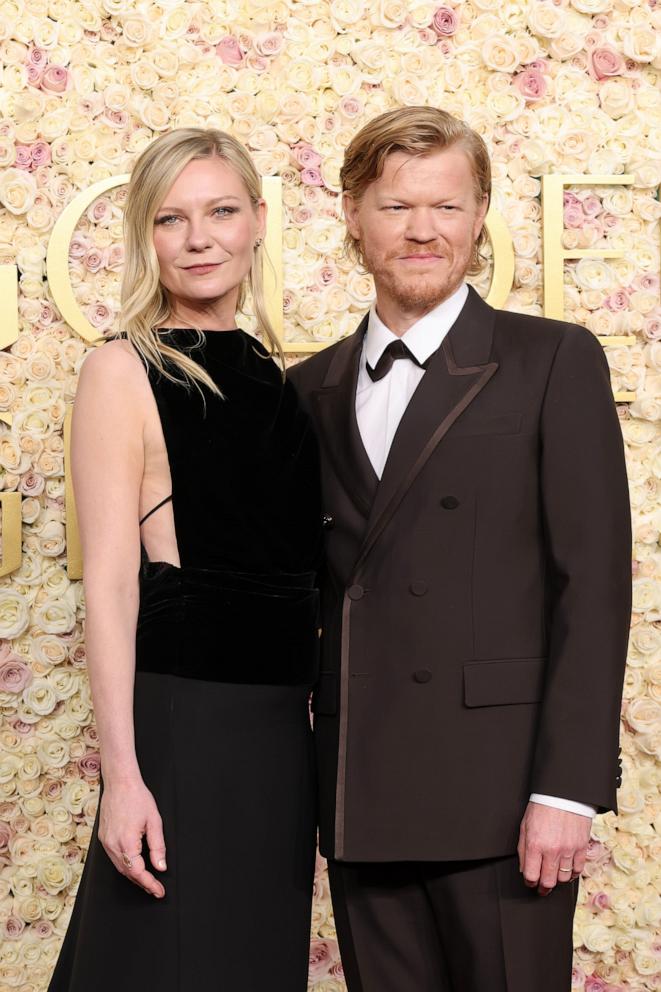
column 202, row 269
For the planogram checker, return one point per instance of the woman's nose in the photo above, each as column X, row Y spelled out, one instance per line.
column 197, row 235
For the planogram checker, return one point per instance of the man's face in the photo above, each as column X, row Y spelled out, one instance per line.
column 417, row 224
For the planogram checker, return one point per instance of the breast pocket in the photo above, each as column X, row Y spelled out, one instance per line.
column 503, row 682
column 503, row 423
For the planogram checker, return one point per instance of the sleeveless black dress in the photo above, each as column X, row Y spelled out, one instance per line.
column 226, row 654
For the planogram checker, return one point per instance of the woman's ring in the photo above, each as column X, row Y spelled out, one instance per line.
column 129, row 861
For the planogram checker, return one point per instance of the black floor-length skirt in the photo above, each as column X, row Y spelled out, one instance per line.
column 231, row 769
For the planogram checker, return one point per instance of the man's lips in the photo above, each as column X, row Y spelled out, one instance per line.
column 428, row 257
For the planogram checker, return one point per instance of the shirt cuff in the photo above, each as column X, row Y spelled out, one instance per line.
column 583, row 809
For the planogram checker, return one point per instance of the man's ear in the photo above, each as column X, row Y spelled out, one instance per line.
column 350, row 208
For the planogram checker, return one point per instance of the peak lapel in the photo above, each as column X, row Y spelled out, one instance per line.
column 336, row 409
column 455, row 375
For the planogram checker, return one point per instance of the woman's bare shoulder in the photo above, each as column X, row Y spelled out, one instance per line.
column 115, row 361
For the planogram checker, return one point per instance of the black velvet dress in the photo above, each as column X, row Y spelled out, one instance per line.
column 226, row 654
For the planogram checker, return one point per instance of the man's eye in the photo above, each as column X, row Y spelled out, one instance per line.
column 447, row 206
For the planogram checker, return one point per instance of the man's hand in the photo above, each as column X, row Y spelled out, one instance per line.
column 552, row 846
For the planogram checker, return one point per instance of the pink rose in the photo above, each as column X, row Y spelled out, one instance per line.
column 427, row 36
column 649, row 281
column 34, row 74
column 115, row 258
column 326, row 275
column 99, row 315
column 40, row 151
column 311, row 177
column 445, row 21
column 90, row 764
column 306, row 156
column 78, row 658
column 14, row 675
column 100, row 212
column 31, row 484
column 301, row 216
column 600, row 900
column 23, row 157
column 594, row 984
column 604, row 62
column 445, row 47
column 323, row 955
column 619, row 300
column 24, row 729
column 531, row 83
column 5, row 835
column 38, row 56
column 350, row 106
column 55, row 79
column 591, row 205
column 13, row 928
column 51, row 790
column 94, row 259
column 116, row 119
column 652, row 328
column 573, row 215
column 78, row 245
column 229, row 50
column 42, row 929
column 269, row 43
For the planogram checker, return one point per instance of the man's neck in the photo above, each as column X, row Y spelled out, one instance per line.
column 398, row 317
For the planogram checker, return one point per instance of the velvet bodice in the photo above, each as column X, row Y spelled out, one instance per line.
column 242, row 606
column 245, row 477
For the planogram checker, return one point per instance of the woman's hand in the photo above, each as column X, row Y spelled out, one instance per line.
column 127, row 813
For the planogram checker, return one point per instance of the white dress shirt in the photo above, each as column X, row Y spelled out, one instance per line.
column 380, row 406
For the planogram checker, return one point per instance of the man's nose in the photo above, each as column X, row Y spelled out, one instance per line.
column 421, row 225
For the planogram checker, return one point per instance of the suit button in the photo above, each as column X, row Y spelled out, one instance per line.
column 328, row 521
column 449, row 502
column 355, row 592
column 418, row 588
column 422, row 675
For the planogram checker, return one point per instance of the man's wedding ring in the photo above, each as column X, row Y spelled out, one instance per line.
column 566, row 869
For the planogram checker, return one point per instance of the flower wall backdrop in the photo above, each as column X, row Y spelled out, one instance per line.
column 567, row 86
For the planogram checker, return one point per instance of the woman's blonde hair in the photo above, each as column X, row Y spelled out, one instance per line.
column 416, row 131
column 145, row 305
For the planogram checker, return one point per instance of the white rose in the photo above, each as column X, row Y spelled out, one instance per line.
column 17, row 190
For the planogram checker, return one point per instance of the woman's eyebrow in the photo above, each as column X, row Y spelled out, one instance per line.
column 216, row 199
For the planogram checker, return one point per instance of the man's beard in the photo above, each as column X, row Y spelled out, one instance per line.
column 418, row 292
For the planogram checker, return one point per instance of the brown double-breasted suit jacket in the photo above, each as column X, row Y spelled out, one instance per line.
column 476, row 600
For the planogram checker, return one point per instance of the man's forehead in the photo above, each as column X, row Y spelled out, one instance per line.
column 451, row 163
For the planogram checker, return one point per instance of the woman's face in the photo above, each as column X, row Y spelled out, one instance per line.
column 204, row 234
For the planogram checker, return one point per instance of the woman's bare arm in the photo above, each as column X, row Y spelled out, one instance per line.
column 107, row 461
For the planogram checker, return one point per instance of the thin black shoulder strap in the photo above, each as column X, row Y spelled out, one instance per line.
column 155, row 508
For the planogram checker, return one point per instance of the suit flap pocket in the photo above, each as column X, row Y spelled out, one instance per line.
column 324, row 697
column 498, row 683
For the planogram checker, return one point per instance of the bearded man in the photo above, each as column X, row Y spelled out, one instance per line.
column 477, row 598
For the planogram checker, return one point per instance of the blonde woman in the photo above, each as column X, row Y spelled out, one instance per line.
column 195, row 480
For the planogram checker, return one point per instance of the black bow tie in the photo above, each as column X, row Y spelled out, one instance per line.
column 396, row 349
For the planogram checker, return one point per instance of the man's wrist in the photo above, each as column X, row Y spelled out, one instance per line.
column 570, row 805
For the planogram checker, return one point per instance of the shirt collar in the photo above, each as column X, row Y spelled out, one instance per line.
column 423, row 338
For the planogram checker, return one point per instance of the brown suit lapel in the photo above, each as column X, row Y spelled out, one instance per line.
column 455, row 375
column 336, row 408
